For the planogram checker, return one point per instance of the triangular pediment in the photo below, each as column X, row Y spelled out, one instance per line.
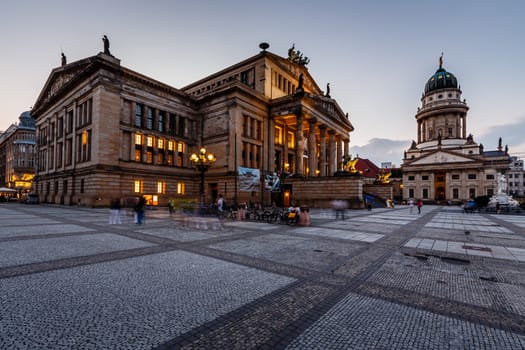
column 61, row 77
column 441, row 157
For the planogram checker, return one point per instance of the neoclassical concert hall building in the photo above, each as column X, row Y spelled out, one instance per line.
column 105, row 131
column 446, row 164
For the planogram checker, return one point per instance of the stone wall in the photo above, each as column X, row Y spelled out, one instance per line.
column 384, row 191
column 319, row 192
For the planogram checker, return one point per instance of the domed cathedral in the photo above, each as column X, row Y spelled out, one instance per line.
column 446, row 164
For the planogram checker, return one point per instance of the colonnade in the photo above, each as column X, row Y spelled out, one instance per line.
column 325, row 147
column 459, row 121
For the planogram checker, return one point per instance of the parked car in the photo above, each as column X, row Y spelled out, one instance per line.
column 31, row 198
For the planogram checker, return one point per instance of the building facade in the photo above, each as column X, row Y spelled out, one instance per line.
column 17, row 155
column 105, row 131
column 516, row 177
column 446, row 164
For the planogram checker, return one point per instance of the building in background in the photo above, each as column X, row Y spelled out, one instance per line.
column 516, row 178
column 446, row 164
column 105, row 131
column 17, row 156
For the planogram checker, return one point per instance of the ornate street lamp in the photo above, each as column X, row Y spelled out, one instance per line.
column 202, row 162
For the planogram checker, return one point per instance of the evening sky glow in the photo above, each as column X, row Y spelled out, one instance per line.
column 376, row 55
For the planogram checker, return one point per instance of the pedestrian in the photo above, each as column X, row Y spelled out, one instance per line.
column 220, row 203
column 339, row 207
column 171, row 206
column 241, row 212
column 419, row 204
column 139, row 210
column 411, row 205
column 368, row 202
column 114, row 212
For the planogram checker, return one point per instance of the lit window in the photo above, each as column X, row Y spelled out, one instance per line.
column 138, row 139
column 137, row 186
column 84, row 137
column 291, row 139
column 149, row 157
column 278, row 135
column 161, row 144
column 170, row 145
column 149, row 141
column 180, row 147
column 161, row 187
column 180, row 188
column 138, row 155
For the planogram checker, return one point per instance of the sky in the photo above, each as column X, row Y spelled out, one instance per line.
column 377, row 55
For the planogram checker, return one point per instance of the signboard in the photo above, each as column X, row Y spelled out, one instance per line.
column 249, row 179
column 272, row 182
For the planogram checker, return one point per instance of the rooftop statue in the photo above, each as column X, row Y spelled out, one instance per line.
column 297, row 56
column 300, row 83
column 64, row 59
column 106, row 45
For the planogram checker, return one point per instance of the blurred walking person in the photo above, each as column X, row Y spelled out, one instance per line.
column 114, row 212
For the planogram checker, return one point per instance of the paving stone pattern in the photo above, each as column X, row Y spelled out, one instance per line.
column 380, row 279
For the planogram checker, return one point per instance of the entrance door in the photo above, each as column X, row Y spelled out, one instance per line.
column 440, row 185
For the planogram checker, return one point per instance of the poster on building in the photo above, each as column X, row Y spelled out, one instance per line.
column 272, row 182
column 249, row 179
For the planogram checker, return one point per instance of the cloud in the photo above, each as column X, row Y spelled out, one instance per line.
column 512, row 134
column 380, row 150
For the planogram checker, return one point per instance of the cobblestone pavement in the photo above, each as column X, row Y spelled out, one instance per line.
column 380, row 279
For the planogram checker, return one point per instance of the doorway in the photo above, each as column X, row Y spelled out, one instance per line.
column 440, row 185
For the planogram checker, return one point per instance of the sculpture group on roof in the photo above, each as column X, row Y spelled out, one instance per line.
column 297, row 56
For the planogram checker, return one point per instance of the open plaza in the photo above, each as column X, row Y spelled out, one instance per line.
column 380, row 279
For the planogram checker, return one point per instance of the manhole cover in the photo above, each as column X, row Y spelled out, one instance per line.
column 473, row 247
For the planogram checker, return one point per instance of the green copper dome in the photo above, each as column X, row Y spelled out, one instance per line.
column 441, row 80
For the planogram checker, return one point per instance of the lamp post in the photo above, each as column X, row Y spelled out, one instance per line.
column 202, row 162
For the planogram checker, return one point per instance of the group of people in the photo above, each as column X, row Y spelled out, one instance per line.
column 115, row 206
column 298, row 215
column 418, row 204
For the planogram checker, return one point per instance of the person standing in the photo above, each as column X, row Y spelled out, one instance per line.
column 241, row 211
column 419, row 204
column 139, row 209
column 411, row 205
column 220, row 203
column 114, row 212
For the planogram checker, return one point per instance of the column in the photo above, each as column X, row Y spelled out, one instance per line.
column 464, row 126
column 346, row 147
column 271, row 145
column 419, row 131
column 332, row 166
column 312, row 148
column 339, row 150
column 299, row 144
column 322, row 153
column 285, row 148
